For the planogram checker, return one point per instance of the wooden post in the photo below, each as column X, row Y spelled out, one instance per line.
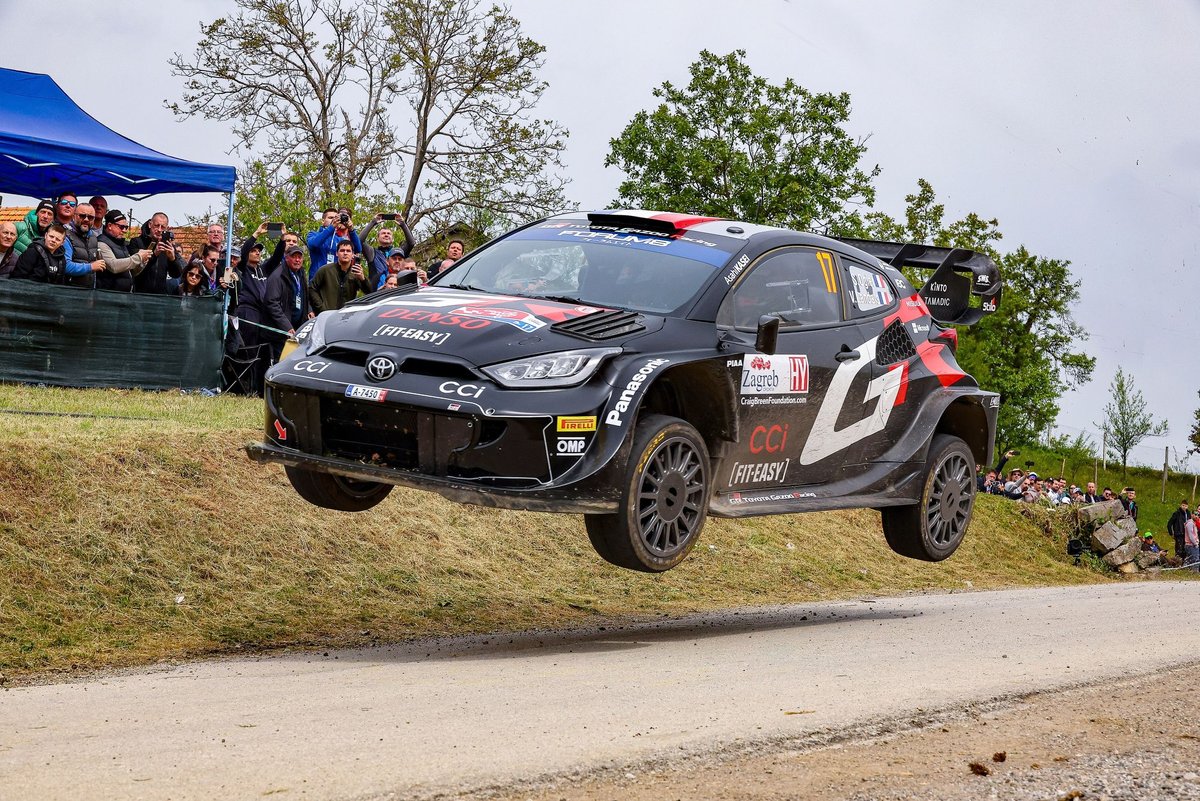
column 1194, row 489
column 1104, row 449
column 1062, row 471
column 1166, row 462
column 1096, row 473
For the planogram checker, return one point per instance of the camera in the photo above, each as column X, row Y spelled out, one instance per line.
column 168, row 236
column 345, row 218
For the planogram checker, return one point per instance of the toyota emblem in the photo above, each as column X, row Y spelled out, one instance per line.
column 381, row 368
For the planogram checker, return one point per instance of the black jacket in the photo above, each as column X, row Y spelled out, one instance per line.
column 153, row 277
column 39, row 264
column 1178, row 520
column 288, row 315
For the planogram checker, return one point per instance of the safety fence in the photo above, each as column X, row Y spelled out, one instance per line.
column 66, row 336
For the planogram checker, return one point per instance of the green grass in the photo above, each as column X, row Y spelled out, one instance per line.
column 126, row 541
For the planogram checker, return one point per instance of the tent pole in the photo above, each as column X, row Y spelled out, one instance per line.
column 228, row 260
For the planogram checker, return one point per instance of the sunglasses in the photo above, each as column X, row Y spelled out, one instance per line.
column 71, row 203
column 85, row 216
column 193, row 275
column 122, row 226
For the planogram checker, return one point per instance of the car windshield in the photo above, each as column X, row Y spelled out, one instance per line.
column 598, row 267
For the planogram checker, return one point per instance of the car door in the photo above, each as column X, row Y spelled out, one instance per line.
column 780, row 395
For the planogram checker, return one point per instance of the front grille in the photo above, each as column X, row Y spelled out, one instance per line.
column 346, row 355
column 895, row 345
column 501, row 452
column 600, row 326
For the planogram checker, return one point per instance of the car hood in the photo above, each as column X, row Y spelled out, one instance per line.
column 479, row 327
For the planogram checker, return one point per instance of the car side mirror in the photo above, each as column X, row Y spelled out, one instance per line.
column 767, row 337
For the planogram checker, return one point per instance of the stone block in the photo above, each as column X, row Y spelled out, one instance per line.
column 1107, row 537
column 1128, row 527
column 1097, row 513
column 1128, row 567
column 1146, row 559
column 1124, row 554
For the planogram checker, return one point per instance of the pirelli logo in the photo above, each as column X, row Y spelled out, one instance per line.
column 577, row 423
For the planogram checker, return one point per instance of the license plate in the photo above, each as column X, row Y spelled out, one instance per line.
column 365, row 393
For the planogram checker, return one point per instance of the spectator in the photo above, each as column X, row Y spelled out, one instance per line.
column 1176, row 524
column 338, row 283
column 194, row 283
column 270, row 265
column 120, row 266
column 454, row 251
column 1108, row 494
column 400, row 271
column 292, row 294
column 256, row 307
column 1191, row 542
column 100, row 207
column 8, row 249
column 323, row 243
column 34, row 225
column 210, row 264
column 64, row 208
column 1148, row 543
column 1090, row 495
column 44, row 260
column 167, row 259
column 83, row 249
column 1129, row 501
column 377, row 257
column 215, row 236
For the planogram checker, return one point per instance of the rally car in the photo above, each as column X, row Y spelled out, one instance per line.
column 647, row 370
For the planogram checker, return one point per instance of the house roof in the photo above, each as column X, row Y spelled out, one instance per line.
column 188, row 237
column 14, row 213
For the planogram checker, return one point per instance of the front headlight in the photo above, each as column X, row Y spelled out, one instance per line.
column 564, row 369
column 311, row 335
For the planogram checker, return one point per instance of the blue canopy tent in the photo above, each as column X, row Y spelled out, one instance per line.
column 48, row 145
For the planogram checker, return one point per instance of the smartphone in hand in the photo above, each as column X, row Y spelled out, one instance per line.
column 274, row 230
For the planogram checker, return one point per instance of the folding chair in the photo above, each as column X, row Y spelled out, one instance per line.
column 242, row 372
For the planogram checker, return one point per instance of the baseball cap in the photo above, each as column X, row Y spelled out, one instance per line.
column 293, row 250
column 1147, row 535
column 258, row 246
column 45, row 204
column 114, row 216
column 395, row 254
column 1032, row 474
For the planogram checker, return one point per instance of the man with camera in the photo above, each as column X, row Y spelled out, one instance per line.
column 377, row 257
column 166, row 259
column 337, row 227
column 338, row 283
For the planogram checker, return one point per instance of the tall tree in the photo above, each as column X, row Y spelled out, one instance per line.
column 1030, row 350
column 731, row 144
column 1125, row 418
column 318, row 88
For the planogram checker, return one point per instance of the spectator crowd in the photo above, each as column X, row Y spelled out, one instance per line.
column 85, row 244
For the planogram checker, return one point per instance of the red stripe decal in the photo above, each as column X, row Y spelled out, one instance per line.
column 683, row 220
column 911, row 308
column 931, row 355
column 903, row 391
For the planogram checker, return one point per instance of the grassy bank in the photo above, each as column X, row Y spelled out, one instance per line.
column 125, row 541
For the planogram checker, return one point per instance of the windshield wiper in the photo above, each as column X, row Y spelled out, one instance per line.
column 469, row 288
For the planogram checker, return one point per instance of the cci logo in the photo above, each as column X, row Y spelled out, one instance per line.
column 381, row 368
column 462, row 390
column 771, row 439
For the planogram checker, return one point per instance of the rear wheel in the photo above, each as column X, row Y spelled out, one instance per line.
column 336, row 492
column 932, row 529
column 664, row 499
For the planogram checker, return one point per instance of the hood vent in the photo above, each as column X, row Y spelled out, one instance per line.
column 340, row 353
column 602, row 325
column 436, row 369
column 895, row 345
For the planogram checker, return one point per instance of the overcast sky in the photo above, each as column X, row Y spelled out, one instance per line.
column 1073, row 123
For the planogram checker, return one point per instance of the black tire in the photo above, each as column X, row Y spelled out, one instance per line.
column 664, row 499
column 336, row 492
column 932, row 529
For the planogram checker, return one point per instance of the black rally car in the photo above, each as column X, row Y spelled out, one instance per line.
column 647, row 370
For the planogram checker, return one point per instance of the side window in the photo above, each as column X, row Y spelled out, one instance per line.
column 798, row 284
column 869, row 290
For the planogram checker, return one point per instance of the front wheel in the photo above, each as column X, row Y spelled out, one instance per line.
column 336, row 492
column 932, row 529
column 664, row 499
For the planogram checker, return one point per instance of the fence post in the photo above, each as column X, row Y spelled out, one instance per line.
column 1166, row 462
column 1096, row 471
column 1104, row 449
column 1194, row 489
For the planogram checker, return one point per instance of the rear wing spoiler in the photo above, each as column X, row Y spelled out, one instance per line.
column 959, row 276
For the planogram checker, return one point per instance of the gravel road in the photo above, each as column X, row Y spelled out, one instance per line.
column 537, row 713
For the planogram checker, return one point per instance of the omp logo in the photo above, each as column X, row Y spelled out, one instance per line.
column 571, row 446
column 577, row 423
column 381, row 368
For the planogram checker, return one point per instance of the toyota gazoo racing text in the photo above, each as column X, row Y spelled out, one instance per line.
column 647, row 370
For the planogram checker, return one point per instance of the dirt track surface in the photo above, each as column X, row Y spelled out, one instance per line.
column 717, row 701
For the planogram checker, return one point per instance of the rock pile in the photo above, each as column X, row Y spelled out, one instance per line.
column 1114, row 534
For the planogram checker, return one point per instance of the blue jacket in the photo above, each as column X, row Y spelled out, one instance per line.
column 322, row 247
